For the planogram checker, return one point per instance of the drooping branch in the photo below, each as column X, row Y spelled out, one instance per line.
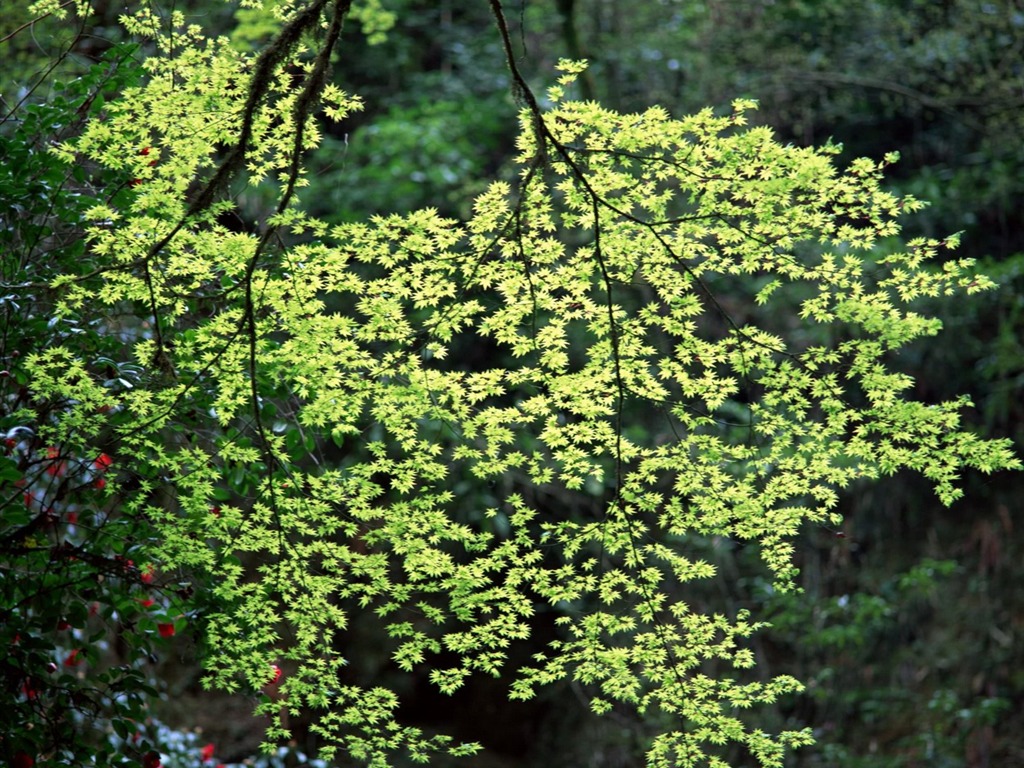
column 304, row 107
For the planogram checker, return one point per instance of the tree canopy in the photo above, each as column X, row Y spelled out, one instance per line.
column 233, row 417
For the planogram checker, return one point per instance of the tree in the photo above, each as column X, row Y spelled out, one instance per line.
column 281, row 404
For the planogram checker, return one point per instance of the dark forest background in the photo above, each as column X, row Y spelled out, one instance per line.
column 909, row 631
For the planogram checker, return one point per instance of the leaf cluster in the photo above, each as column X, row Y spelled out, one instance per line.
column 299, row 413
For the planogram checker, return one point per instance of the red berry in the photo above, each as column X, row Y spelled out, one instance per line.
column 275, row 674
column 165, row 629
column 62, row 625
column 74, row 658
column 207, row 752
column 22, row 760
column 151, row 760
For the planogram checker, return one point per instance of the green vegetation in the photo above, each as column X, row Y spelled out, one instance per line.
column 321, row 364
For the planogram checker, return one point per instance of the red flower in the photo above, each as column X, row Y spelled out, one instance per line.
column 22, row 760
column 62, row 625
column 151, row 760
column 56, row 468
column 72, row 517
column 147, row 574
column 165, row 629
column 74, row 658
column 207, row 752
column 146, row 603
column 102, row 463
column 99, row 484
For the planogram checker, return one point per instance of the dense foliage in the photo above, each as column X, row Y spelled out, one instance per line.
column 230, row 417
